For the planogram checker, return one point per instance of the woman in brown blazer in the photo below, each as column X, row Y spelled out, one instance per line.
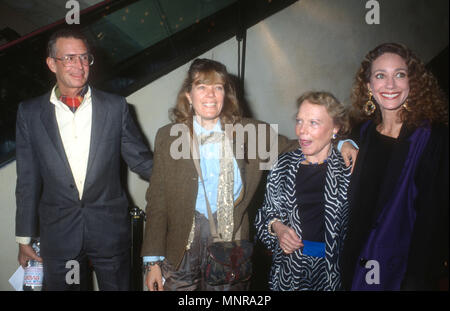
column 177, row 229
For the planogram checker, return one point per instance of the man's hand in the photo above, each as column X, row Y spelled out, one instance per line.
column 348, row 152
column 26, row 252
column 287, row 237
column 153, row 279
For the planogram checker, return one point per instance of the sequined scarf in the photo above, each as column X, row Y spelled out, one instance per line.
column 225, row 199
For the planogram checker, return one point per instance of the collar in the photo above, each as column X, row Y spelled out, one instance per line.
column 198, row 129
column 56, row 93
column 82, row 93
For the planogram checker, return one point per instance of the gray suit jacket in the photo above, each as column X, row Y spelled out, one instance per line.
column 48, row 203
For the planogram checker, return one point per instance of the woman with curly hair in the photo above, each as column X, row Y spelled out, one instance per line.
column 398, row 229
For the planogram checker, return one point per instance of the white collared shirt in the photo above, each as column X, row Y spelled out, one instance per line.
column 75, row 132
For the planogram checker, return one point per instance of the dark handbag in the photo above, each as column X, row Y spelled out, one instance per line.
column 228, row 262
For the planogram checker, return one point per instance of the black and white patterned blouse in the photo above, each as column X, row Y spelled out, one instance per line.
column 297, row 271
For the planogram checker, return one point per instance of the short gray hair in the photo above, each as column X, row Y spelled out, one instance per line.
column 67, row 32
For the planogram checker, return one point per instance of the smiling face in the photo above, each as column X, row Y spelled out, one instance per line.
column 314, row 130
column 207, row 98
column 389, row 82
column 71, row 79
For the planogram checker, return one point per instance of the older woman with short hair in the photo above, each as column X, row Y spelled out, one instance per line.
column 304, row 217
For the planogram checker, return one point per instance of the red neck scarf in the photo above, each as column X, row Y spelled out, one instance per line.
column 72, row 102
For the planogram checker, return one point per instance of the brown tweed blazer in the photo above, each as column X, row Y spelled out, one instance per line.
column 172, row 195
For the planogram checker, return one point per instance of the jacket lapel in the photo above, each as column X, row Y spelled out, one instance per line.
column 188, row 169
column 48, row 118
column 336, row 215
column 241, row 161
column 393, row 171
column 99, row 114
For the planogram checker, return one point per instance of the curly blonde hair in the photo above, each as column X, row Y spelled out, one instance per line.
column 206, row 71
column 426, row 101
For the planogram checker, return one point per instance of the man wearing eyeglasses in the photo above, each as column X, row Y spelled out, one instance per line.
column 69, row 143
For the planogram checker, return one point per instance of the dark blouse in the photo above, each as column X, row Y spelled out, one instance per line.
column 372, row 176
column 310, row 185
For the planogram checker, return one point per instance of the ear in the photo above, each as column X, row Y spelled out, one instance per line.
column 51, row 64
column 336, row 130
column 368, row 87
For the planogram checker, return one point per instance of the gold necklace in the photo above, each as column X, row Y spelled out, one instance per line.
column 307, row 162
column 315, row 163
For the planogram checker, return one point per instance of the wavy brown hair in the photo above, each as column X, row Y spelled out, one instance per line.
column 206, row 71
column 426, row 101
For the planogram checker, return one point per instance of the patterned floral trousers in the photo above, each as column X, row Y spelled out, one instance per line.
column 189, row 276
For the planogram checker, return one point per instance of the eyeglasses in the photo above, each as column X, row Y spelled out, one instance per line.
column 72, row 59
